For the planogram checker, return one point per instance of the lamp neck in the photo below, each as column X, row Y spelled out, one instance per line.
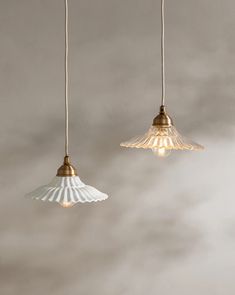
column 162, row 119
column 66, row 169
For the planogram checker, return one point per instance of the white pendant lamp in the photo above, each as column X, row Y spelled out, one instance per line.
column 66, row 188
column 162, row 137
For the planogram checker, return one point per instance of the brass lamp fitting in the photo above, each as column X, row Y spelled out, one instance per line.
column 162, row 119
column 66, row 169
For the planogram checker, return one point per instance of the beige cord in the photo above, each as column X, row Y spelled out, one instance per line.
column 66, row 80
column 163, row 50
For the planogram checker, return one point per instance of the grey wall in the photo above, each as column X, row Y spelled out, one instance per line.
column 169, row 225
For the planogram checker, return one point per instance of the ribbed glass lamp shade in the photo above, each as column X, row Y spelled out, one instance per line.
column 67, row 191
column 162, row 137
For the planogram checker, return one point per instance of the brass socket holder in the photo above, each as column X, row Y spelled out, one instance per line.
column 66, row 169
column 162, row 119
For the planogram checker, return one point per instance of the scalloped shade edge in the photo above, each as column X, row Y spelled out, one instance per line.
column 67, row 189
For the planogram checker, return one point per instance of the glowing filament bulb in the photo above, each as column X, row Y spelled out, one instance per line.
column 161, row 152
column 65, row 204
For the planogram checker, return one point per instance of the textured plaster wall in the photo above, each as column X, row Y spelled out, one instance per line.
column 169, row 225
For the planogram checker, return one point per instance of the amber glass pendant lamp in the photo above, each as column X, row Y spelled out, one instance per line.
column 66, row 188
column 162, row 137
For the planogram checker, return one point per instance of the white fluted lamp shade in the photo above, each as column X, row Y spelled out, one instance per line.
column 162, row 137
column 67, row 191
column 66, row 188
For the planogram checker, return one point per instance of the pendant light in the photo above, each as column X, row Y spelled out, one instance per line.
column 162, row 137
column 66, row 188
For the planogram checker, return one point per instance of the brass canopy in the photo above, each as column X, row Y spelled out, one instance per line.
column 66, row 169
column 162, row 119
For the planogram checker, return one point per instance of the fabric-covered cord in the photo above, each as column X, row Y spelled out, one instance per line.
column 163, row 50
column 66, row 79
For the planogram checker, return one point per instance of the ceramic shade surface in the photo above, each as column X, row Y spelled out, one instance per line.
column 162, row 137
column 67, row 189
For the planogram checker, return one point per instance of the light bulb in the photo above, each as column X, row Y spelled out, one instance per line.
column 67, row 204
column 161, row 152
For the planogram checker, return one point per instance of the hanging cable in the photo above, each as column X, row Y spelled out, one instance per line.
column 163, row 50
column 66, row 79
